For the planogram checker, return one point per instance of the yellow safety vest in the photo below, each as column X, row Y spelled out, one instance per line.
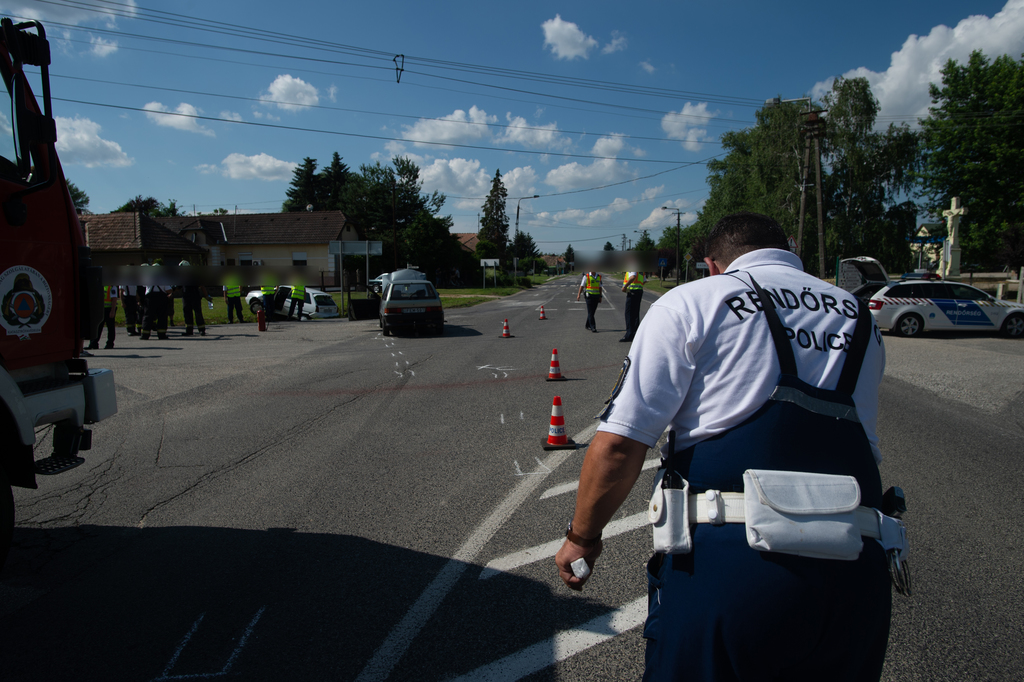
column 299, row 291
column 234, row 292
column 593, row 284
column 106, row 297
column 638, row 285
column 266, row 291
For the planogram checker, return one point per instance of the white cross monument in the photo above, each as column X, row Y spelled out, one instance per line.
column 951, row 267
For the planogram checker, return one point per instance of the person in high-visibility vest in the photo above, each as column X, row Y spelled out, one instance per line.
column 633, row 287
column 591, row 286
column 233, row 298
column 298, row 299
column 109, row 311
column 268, row 301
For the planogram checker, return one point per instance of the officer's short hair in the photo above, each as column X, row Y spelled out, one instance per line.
column 743, row 232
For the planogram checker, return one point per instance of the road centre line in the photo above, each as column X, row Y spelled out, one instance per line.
column 563, row 645
column 573, row 485
column 397, row 643
column 537, row 553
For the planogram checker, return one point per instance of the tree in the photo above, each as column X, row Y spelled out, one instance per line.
column 570, row 255
column 168, row 210
column 220, row 211
column 1011, row 252
column 608, row 246
column 332, row 181
column 494, row 224
column 523, row 246
column 973, row 143
column 79, row 198
column 435, row 248
column 140, row 204
column 871, row 175
column 644, row 243
column 304, row 189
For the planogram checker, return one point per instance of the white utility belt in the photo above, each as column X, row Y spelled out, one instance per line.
column 790, row 512
column 717, row 508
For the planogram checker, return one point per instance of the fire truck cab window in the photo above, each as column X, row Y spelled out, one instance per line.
column 8, row 150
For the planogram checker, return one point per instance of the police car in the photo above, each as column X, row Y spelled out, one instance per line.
column 911, row 307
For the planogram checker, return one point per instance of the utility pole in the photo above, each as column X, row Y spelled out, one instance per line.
column 678, row 230
column 816, row 130
column 515, row 239
column 803, row 196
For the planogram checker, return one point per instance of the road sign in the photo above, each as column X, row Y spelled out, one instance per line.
column 702, row 266
column 361, row 248
column 488, row 262
column 663, row 262
column 792, row 244
column 688, row 257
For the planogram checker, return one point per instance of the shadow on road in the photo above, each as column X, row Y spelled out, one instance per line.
column 121, row 603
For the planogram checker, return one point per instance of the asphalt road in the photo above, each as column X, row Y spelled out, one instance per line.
column 322, row 502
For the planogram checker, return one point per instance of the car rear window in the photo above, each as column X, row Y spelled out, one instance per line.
column 411, row 291
column 324, row 299
column 899, row 291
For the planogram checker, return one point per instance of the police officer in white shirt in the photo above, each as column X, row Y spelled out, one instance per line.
column 743, row 392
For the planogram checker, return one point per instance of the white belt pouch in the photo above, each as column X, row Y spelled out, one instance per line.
column 799, row 513
column 669, row 512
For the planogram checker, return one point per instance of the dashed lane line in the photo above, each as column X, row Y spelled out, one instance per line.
column 386, row 657
column 573, row 485
column 531, row 555
column 563, row 645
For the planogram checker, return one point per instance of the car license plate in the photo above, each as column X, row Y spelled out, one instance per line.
column 414, row 310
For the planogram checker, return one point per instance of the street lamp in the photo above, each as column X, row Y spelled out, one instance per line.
column 678, row 230
column 515, row 255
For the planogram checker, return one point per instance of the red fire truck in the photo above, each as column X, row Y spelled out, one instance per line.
column 51, row 297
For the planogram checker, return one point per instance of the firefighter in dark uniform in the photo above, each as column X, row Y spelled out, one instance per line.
column 131, row 309
column 155, row 318
column 192, row 306
column 760, row 367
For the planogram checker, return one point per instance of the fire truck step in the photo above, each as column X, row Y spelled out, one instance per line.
column 57, row 465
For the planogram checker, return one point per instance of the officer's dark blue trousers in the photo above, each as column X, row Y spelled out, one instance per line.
column 633, row 299
column 592, row 303
column 728, row 612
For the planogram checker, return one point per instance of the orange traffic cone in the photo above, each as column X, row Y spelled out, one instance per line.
column 504, row 331
column 555, row 372
column 557, row 440
column 542, row 315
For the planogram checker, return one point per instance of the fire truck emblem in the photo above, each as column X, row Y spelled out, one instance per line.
column 26, row 301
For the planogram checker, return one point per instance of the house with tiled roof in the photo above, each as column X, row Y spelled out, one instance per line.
column 468, row 240
column 134, row 239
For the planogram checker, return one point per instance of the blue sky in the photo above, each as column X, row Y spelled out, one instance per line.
column 643, row 88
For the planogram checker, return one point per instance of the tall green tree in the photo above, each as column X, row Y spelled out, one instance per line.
column 140, row 204
column 570, row 255
column 430, row 241
column 304, row 189
column 79, row 198
column 523, row 246
column 331, row 186
column 644, row 243
column 871, row 175
column 608, row 246
column 494, row 224
column 168, row 210
column 973, row 145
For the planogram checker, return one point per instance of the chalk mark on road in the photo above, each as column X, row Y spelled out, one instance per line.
column 544, row 471
column 166, row 674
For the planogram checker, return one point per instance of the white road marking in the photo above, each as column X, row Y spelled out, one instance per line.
column 573, row 485
column 398, row 640
column 502, row 418
column 531, row 555
column 544, row 471
column 227, row 666
column 563, row 645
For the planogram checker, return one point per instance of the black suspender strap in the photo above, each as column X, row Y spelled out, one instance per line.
column 856, row 351
column 783, row 348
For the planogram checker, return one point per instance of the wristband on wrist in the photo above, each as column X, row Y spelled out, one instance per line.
column 578, row 540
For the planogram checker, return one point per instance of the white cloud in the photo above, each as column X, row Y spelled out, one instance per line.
column 520, row 182
column 617, row 45
column 457, row 127
column 565, row 39
column 687, row 125
column 597, row 217
column 575, row 175
column 647, row 66
column 536, row 136
column 163, row 116
column 609, row 146
column 461, row 177
column 660, row 218
column 902, row 89
column 258, row 167
column 291, row 94
column 263, row 114
column 332, row 93
column 101, row 47
column 652, row 192
column 66, row 13
column 231, row 116
column 79, row 141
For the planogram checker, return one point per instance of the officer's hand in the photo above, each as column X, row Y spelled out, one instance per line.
column 569, row 553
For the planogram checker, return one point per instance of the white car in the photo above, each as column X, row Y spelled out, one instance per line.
column 317, row 304
column 909, row 308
